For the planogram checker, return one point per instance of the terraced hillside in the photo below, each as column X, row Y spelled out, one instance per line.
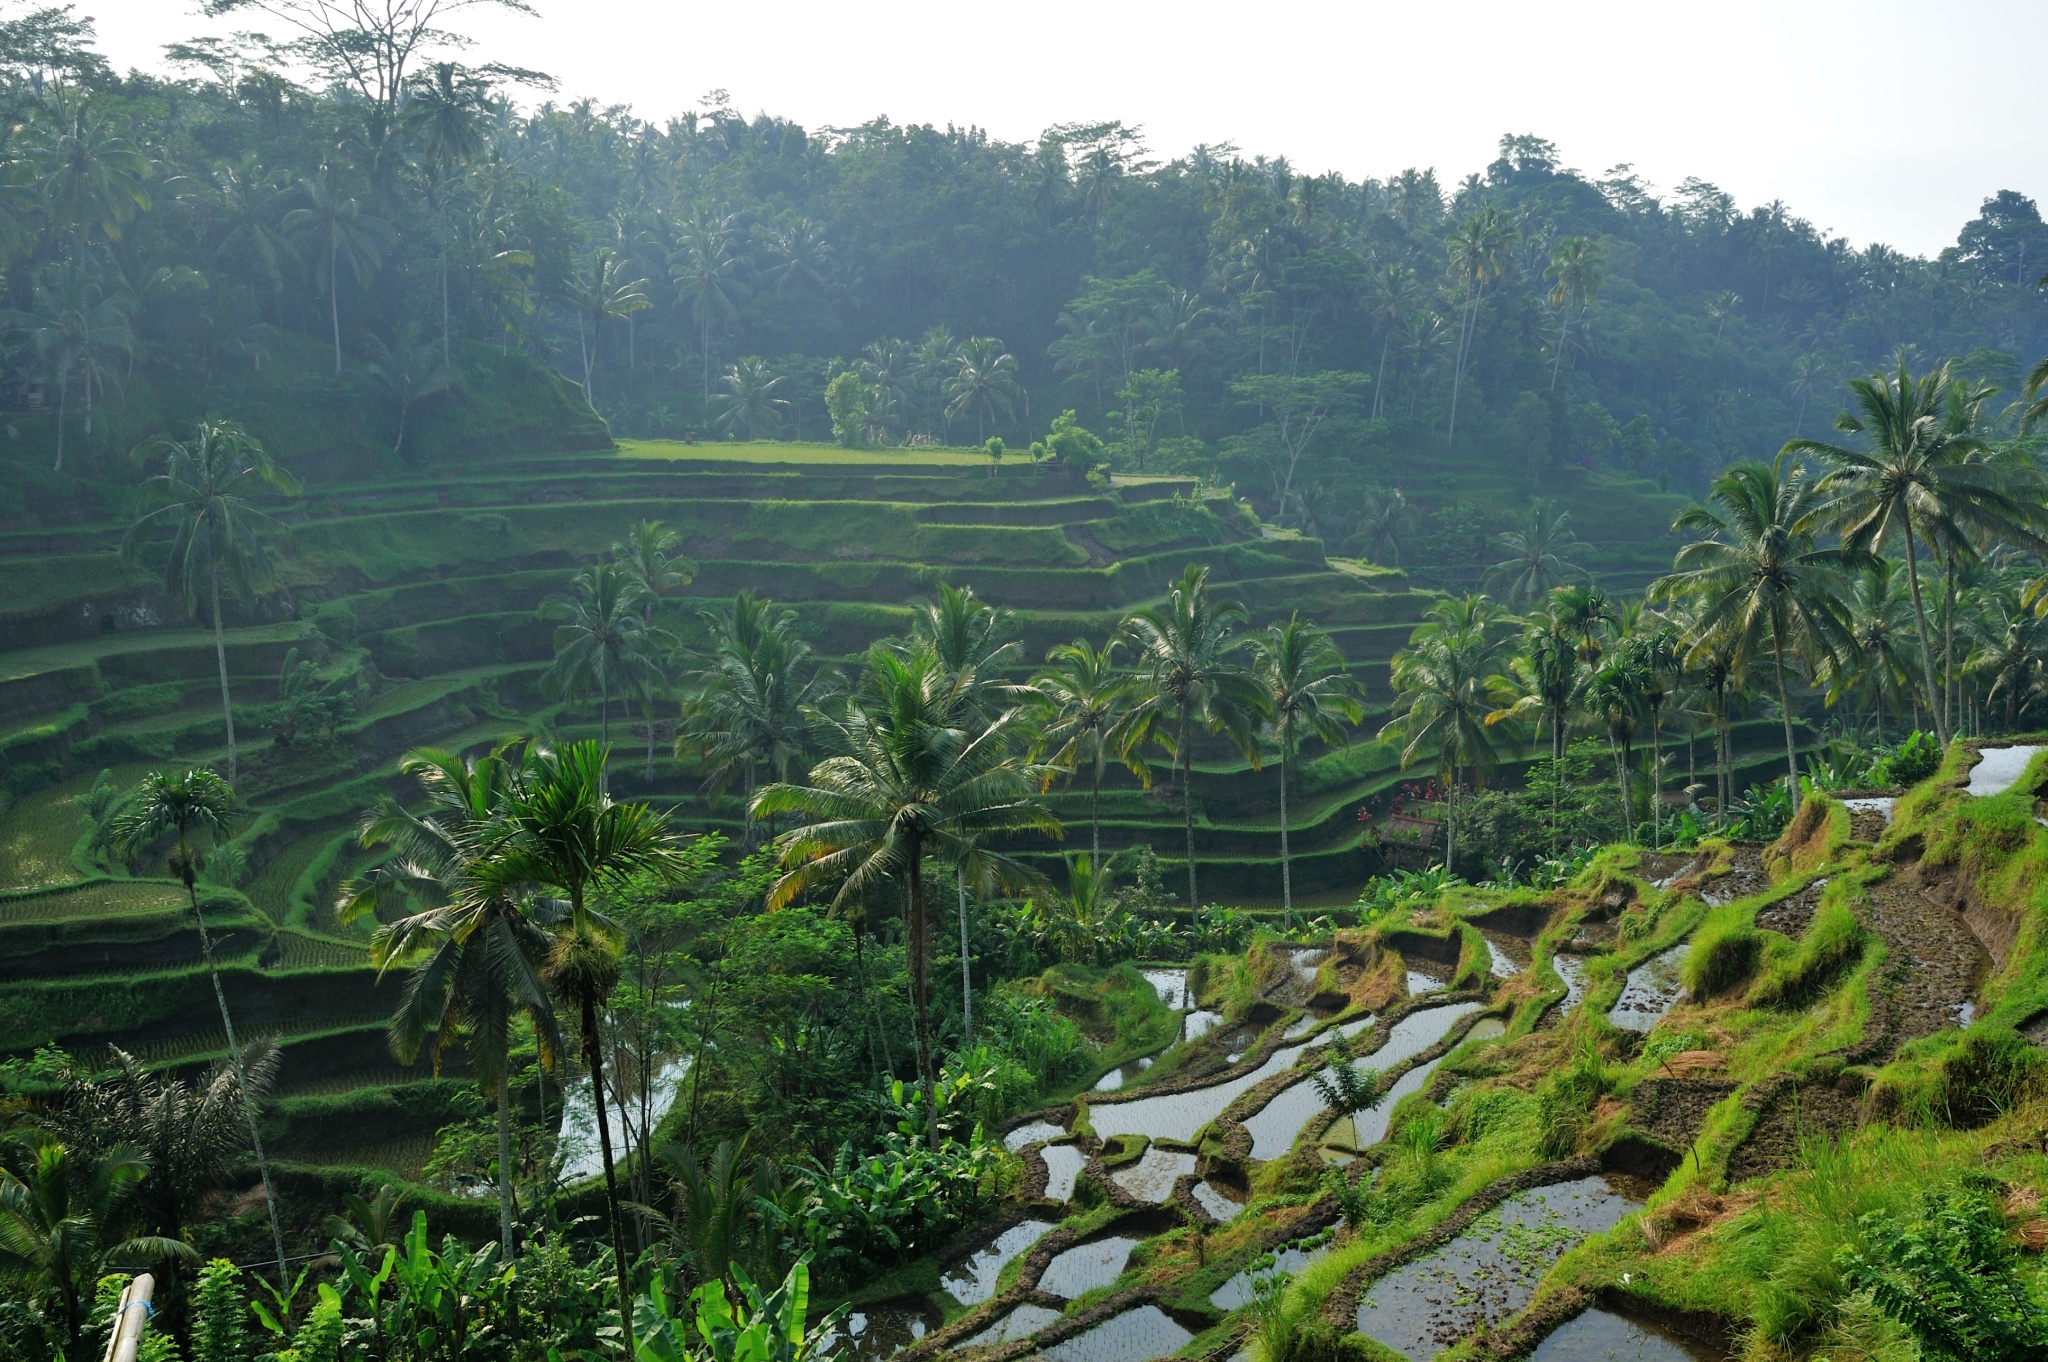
column 1652, row 1115
column 420, row 594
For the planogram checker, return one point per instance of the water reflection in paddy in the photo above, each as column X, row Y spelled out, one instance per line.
column 1507, row 956
column 1652, row 988
column 1037, row 1132
column 1063, row 1163
column 1087, row 1266
column 1116, row 1078
column 1138, row 1335
column 1491, row 1270
column 1171, row 985
column 1215, row 1202
column 1022, row 1322
column 1999, row 769
column 878, row 1332
column 1287, row 1262
column 1200, row 1024
column 1274, row 1127
column 1601, row 1336
column 974, row 1281
column 1152, row 1177
column 1572, row 970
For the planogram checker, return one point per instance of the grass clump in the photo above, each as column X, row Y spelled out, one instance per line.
column 1833, row 943
column 1723, row 956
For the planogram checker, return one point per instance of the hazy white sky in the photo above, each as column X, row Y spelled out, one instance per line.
column 1881, row 120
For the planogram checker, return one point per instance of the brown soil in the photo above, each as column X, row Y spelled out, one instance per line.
column 1793, row 914
column 1795, row 1113
column 1745, row 876
column 1935, row 963
column 1673, row 1109
column 1866, row 825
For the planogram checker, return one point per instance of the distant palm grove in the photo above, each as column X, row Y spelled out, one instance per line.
column 722, row 742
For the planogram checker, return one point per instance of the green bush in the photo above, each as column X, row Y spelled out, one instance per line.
column 218, row 1309
column 1721, row 958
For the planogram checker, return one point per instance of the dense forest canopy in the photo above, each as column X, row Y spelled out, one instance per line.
column 1303, row 337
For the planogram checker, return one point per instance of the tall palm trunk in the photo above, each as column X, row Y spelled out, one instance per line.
column 505, row 1164
column 920, row 993
column 966, row 976
column 1785, row 713
column 63, row 411
column 1926, row 649
column 593, row 1060
column 190, row 875
column 1286, row 869
column 220, row 656
column 1187, row 809
column 1379, row 383
column 1095, row 811
column 1628, row 820
column 334, row 298
column 1951, row 684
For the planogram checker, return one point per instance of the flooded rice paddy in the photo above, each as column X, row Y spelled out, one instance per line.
column 1491, row 1270
column 1275, row 1126
column 1037, row 1132
column 1603, row 1336
column 1286, row 1262
column 1063, row 1163
column 1139, row 1335
column 1999, row 769
column 1215, row 1202
column 974, row 1281
column 1652, row 988
column 1022, row 1322
column 1086, row 1266
column 1152, row 1177
column 880, row 1331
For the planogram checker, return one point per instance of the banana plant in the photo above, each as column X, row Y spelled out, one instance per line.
column 745, row 1324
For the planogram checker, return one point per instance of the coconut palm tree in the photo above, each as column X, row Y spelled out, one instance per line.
column 2010, row 652
column 198, row 803
column 707, row 273
column 1395, row 296
column 1577, row 270
column 1617, row 694
column 91, row 182
column 473, row 957
column 1309, row 690
column 601, row 639
column 1190, row 673
column 446, row 114
column 338, row 232
column 557, row 830
column 1880, row 667
column 1080, row 702
column 916, row 773
column 983, row 381
column 648, row 555
column 1442, row 681
column 408, row 372
column 1385, row 519
column 1543, row 679
column 749, row 401
column 1478, row 254
column 202, row 499
column 1759, row 581
column 599, row 292
column 58, row 1219
column 751, row 700
column 1541, row 555
column 1925, row 477
column 73, row 328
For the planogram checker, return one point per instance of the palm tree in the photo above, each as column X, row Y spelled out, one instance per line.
column 409, row 374
column 1544, row 679
column 751, row 700
column 984, row 381
column 1384, row 520
column 1080, row 703
column 707, row 275
column 916, row 773
column 1308, row 689
column 1540, row 555
column 1578, row 271
column 1188, row 651
column 57, row 1217
column 198, row 802
column 2011, row 652
column 1759, row 581
column 339, row 232
column 1478, row 250
column 71, row 328
column 202, row 498
column 473, row 954
column 1881, row 619
column 1617, row 693
column 558, row 830
column 749, row 400
column 446, row 114
column 648, row 555
column 1394, row 298
column 1925, row 479
column 192, row 1135
column 1441, row 684
column 601, row 639
column 91, row 181
column 1583, row 614
column 598, row 292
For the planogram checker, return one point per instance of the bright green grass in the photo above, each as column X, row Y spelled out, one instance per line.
column 108, row 899
column 766, row 451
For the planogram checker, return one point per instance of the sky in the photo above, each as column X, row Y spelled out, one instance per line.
column 1878, row 120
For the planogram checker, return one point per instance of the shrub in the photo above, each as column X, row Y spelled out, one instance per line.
column 1951, row 1277
column 218, row 1308
column 1916, row 758
column 1721, row 958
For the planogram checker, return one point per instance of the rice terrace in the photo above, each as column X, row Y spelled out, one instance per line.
column 708, row 740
